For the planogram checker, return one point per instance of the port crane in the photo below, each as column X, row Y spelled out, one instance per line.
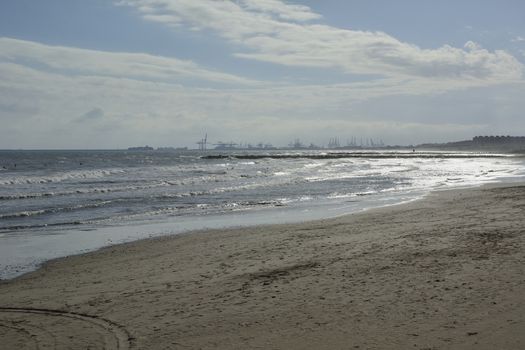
column 203, row 143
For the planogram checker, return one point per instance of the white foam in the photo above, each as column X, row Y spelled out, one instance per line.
column 60, row 177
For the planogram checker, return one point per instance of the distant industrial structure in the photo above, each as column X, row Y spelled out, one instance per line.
column 225, row 145
column 484, row 143
column 478, row 143
column 499, row 140
column 141, row 148
column 333, row 143
column 203, row 143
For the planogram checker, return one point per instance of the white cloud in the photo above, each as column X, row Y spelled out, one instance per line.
column 42, row 108
column 53, row 96
column 269, row 31
column 282, row 10
column 472, row 46
column 75, row 61
column 91, row 115
column 518, row 39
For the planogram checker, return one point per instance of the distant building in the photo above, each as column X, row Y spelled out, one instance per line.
column 484, row 143
column 499, row 140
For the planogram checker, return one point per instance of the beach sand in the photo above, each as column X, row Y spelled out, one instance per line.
column 445, row 272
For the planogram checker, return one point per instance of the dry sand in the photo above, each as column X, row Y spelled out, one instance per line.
column 446, row 272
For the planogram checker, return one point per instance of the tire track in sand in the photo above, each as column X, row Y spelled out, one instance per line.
column 34, row 328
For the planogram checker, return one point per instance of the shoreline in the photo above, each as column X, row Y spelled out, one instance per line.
column 59, row 226
column 117, row 235
column 110, row 236
column 424, row 274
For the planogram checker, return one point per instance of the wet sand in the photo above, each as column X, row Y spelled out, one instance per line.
column 445, row 272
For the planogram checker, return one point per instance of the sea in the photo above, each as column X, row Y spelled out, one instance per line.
column 59, row 203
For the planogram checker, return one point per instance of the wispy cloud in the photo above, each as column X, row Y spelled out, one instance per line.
column 76, row 61
column 282, row 10
column 91, row 115
column 141, row 110
column 277, row 32
column 44, row 68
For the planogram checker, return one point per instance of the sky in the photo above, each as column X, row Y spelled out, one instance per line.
column 78, row 74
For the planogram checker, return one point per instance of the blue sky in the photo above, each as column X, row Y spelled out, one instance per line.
column 110, row 74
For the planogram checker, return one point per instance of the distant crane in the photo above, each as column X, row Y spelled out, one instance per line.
column 297, row 144
column 203, row 142
column 334, row 143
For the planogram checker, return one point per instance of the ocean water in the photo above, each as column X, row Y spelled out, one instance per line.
column 56, row 203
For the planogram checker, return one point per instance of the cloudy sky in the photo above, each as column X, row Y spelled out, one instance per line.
column 113, row 74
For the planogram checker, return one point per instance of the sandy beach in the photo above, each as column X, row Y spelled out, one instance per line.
column 445, row 272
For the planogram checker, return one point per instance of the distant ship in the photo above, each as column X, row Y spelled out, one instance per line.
column 141, row 148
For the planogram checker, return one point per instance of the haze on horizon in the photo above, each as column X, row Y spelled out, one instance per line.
column 113, row 74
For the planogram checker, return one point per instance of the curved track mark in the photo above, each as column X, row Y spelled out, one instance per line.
column 122, row 339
